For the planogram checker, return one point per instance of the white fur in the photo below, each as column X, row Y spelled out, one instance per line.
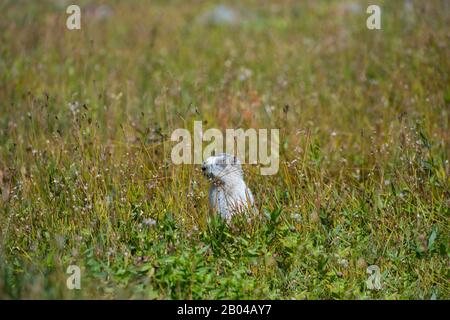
column 228, row 193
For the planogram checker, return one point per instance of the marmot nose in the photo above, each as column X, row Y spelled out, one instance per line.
column 203, row 168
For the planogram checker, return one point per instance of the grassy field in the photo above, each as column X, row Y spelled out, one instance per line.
column 86, row 176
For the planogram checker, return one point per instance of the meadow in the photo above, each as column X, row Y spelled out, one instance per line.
column 86, row 176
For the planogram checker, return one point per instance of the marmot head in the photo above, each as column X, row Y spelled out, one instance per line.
column 223, row 168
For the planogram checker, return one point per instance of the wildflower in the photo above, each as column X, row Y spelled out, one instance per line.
column 361, row 263
column 343, row 263
column 149, row 222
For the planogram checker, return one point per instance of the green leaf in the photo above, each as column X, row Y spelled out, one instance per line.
column 432, row 238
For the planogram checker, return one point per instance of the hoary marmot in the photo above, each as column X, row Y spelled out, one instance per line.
column 228, row 193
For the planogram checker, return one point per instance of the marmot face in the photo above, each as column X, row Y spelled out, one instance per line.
column 222, row 168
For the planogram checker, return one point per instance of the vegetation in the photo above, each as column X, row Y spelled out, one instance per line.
column 86, row 176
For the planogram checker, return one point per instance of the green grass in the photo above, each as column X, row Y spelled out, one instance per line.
column 85, row 124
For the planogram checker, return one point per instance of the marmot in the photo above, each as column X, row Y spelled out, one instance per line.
column 228, row 193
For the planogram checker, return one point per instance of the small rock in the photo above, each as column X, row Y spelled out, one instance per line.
column 220, row 15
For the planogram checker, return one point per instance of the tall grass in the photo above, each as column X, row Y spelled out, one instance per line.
column 86, row 176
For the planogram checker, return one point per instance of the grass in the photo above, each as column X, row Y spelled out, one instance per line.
column 85, row 171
